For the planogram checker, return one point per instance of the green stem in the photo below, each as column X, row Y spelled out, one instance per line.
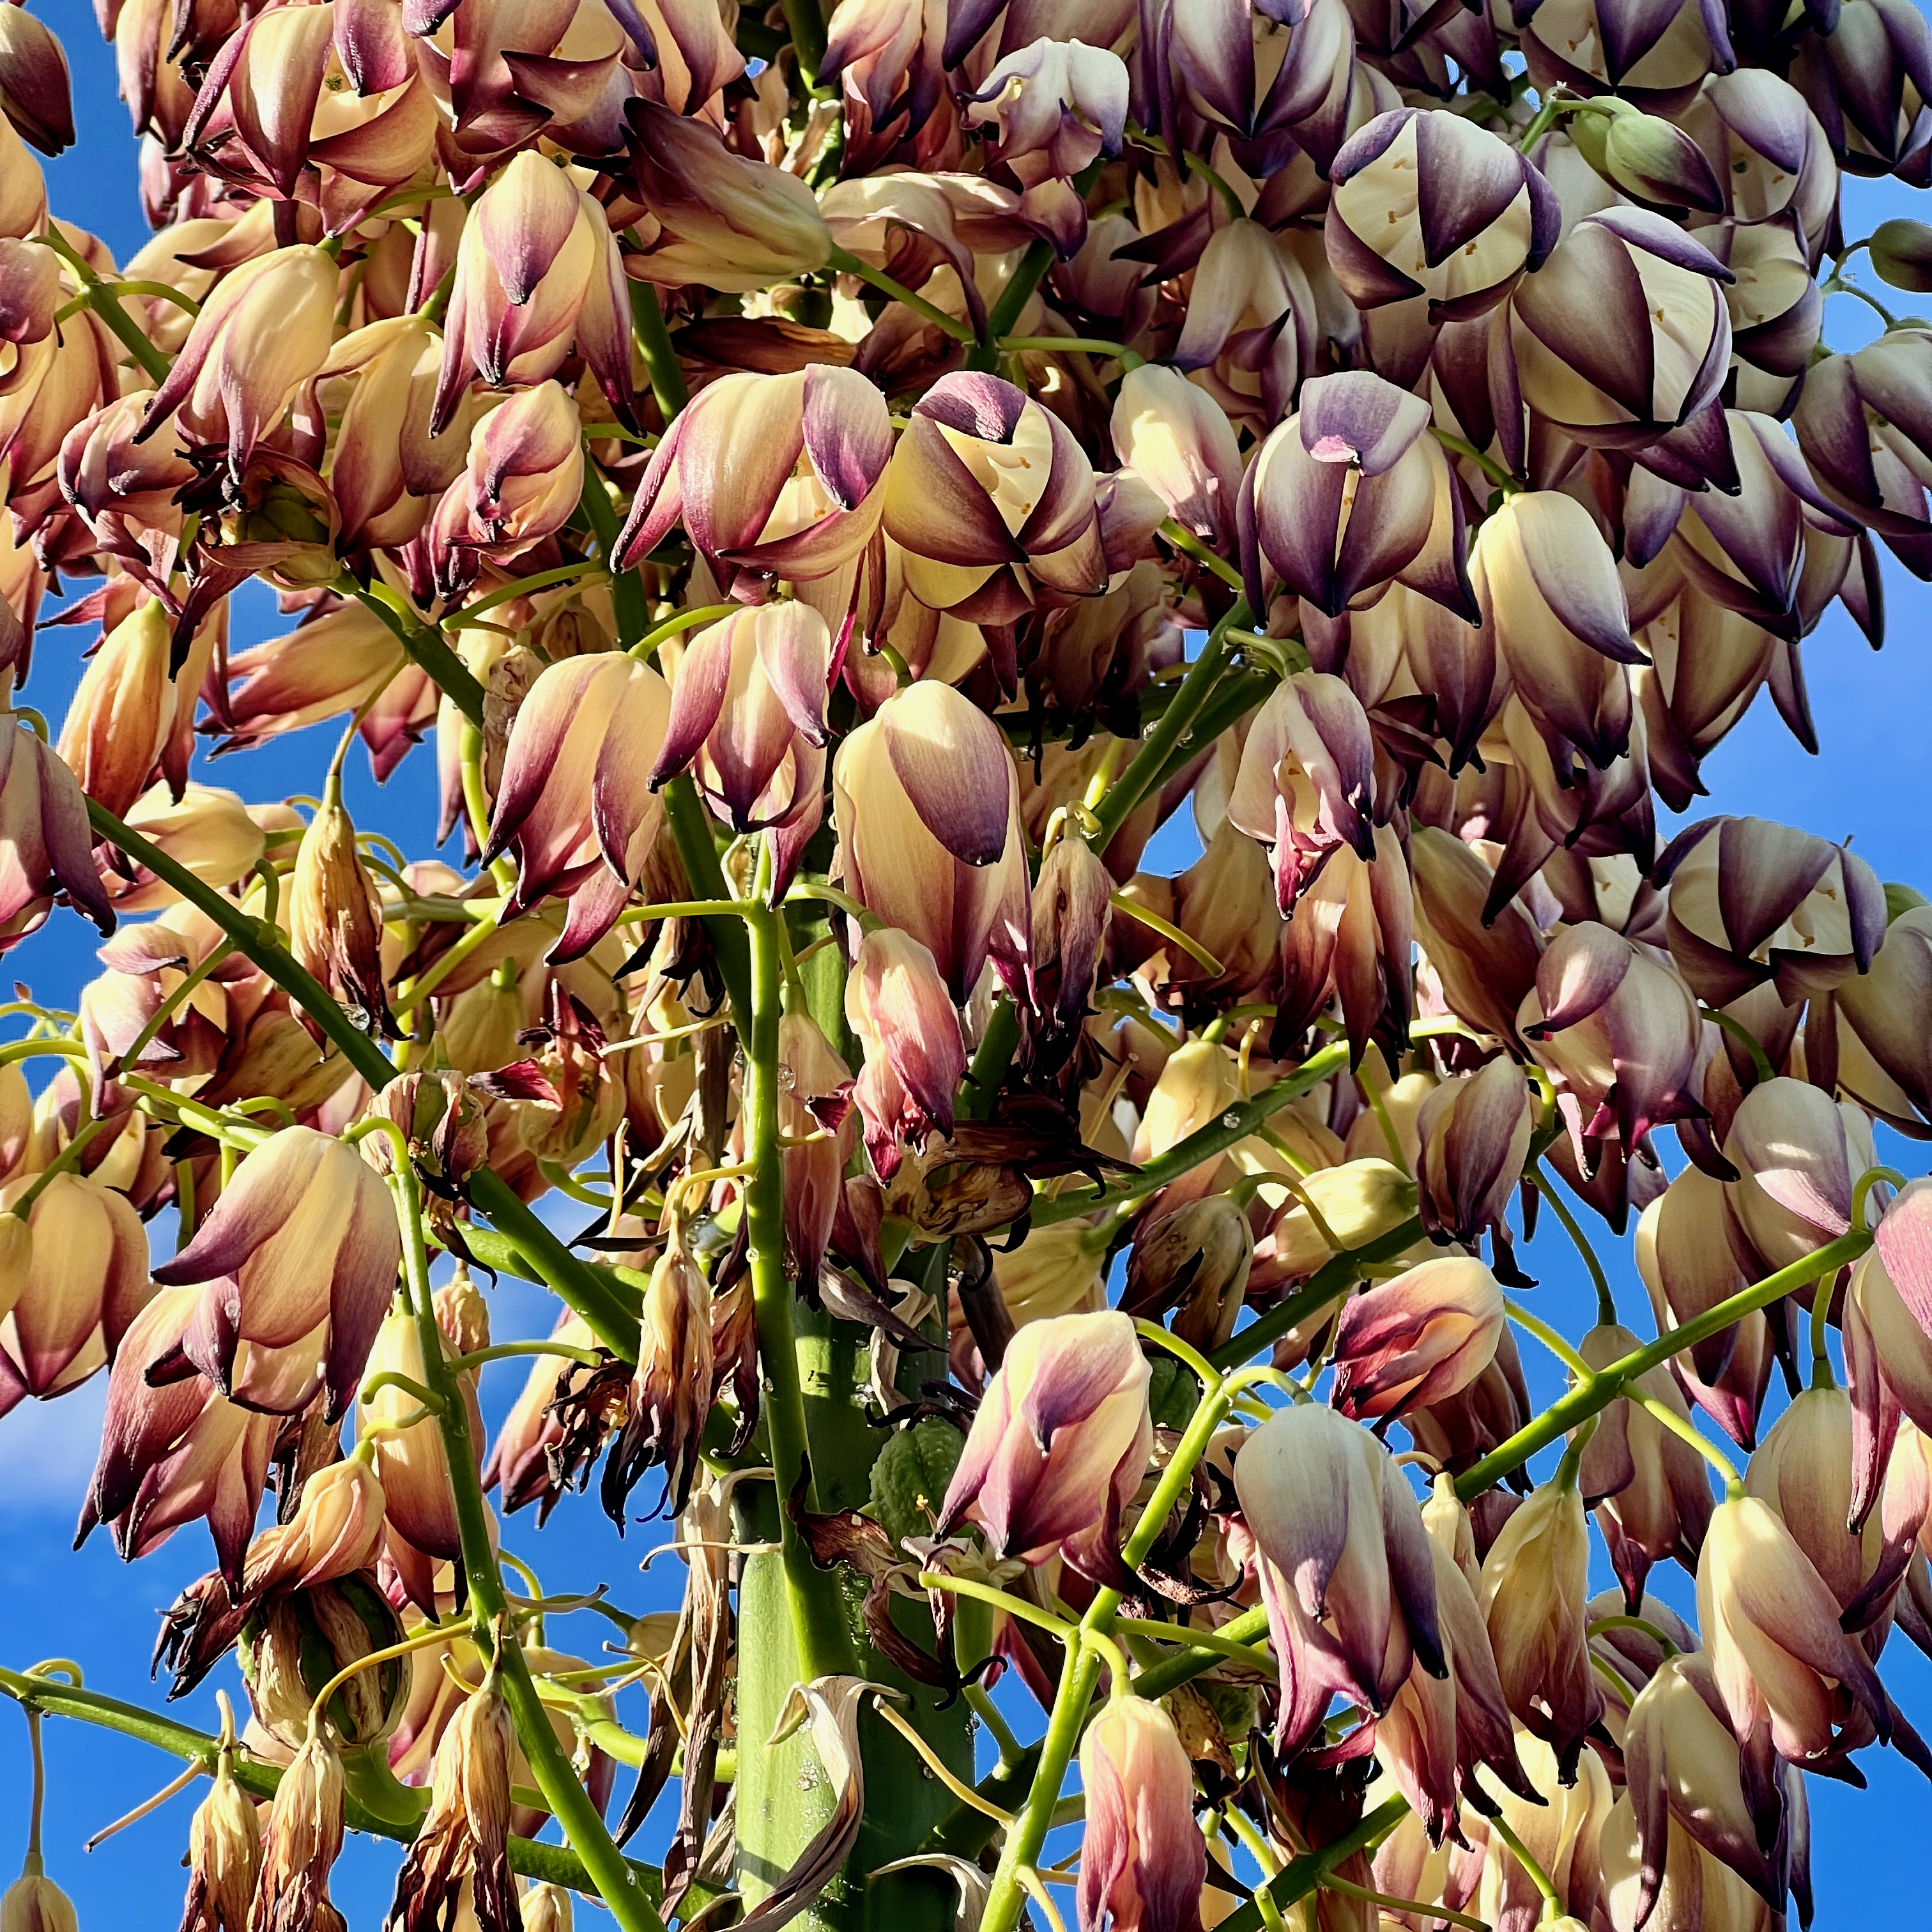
column 645, row 648
column 423, row 644
column 1223, row 1132
column 553, row 1863
column 502, row 1352
column 691, row 830
column 569, row 1803
column 1462, row 446
column 1062, row 345
column 627, row 587
column 823, row 1640
column 1607, row 1304
column 1005, row 314
column 590, row 573
column 1133, row 785
column 1607, row 1384
column 1300, row 1876
column 850, row 264
column 654, row 345
column 806, row 25
column 1552, row 1904
column 1249, row 1630
column 991, row 1059
column 574, row 1281
column 1760, row 1060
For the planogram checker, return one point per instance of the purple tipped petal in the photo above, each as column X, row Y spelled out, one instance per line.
column 953, row 764
column 975, row 405
column 1468, row 178
column 847, row 431
column 1370, row 416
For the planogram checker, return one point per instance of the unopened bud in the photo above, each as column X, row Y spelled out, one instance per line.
column 1196, row 1258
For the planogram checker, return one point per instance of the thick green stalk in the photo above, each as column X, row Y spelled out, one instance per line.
column 423, row 644
column 824, row 1641
column 1012, row 299
column 1301, row 1875
column 627, row 590
column 573, row 1281
column 1603, row 1387
column 554, row 1863
column 1221, row 1133
column 1196, row 687
column 690, row 828
column 569, row 1803
column 654, row 342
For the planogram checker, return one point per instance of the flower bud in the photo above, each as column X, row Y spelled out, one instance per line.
column 464, row 1846
column 1344, row 1564
column 575, row 805
column 303, row 1840
column 1416, row 1340
column 1143, row 1859
column 296, row 1640
column 1357, row 1203
column 1654, row 162
column 299, row 1255
column 263, row 333
column 1060, row 1443
column 33, row 1903
column 546, row 1907
column 915, row 1057
column 224, row 1857
column 1427, row 202
column 1535, row 1594
column 335, row 919
column 537, row 269
column 1901, row 251
column 1071, row 910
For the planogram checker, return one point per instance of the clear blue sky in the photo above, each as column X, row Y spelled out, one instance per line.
column 1870, row 779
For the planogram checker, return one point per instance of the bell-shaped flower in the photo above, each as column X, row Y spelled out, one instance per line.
column 224, row 1857
column 1799, row 1155
column 171, row 1453
column 1685, row 1255
column 1439, row 1730
column 537, row 271
column 72, row 1278
column 1883, row 1055
column 1619, row 1032
column 1474, row 1135
column 1805, row 1469
column 1350, row 494
column 299, row 1258
column 991, row 499
column 1416, row 1340
column 715, row 218
column 1770, row 1631
column 1343, row 1562
column 1306, row 785
column 1684, row 1776
column 132, row 714
column 773, row 476
column 1056, row 107
column 264, row 332
column 926, row 801
column 1547, row 586
column 1863, row 423
column 1426, row 202
column 900, row 1013
column 673, row 1388
column 1751, row 901
column 1176, row 439
column 747, row 714
column 1142, row 1858
column 46, row 846
column 521, row 482
column 1535, row 1593
column 1651, row 1490
column 1252, row 325
column 1060, row 1443
column 1071, row 909
column 1623, row 333
column 575, row 805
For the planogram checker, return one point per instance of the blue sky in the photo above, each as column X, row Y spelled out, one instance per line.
column 1868, row 779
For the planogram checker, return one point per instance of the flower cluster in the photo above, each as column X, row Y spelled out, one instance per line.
column 834, row 485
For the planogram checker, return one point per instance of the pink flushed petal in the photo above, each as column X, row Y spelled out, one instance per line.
column 660, row 498
column 268, row 1187
column 543, row 724
column 596, row 900
column 794, row 647
column 697, row 696
column 1903, row 1238
column 954, row 767
column 736, row 458
column 846, row 430
column 360, row 1291
column 524, row 222
column 1584, row 966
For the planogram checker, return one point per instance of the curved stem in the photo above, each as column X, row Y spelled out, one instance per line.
column 1549, row 1337
column 849, row 264
column 1606, row 1303
column 499, row 1351
column 1552, row 1905
column 1598, row 1625
column 1760, row 1060
column 1301, row 1875
column 645, row 648
column 1436, row 1914
column 1662, row 1413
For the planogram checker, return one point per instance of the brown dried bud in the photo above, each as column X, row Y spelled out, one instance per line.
column 224, row 1858
column 335, row 919
column 304, row 1837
